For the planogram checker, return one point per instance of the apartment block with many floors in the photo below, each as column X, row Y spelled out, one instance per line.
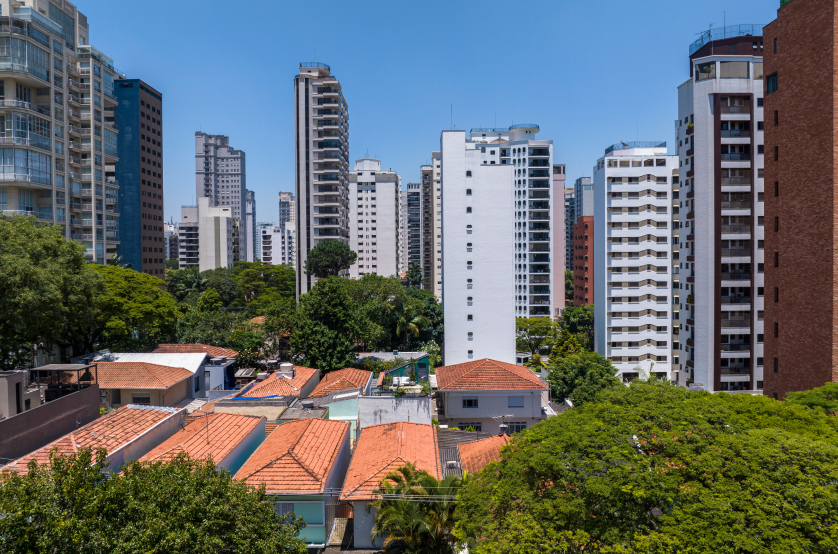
column 414, row 224
column 277, row 245
column 676, row 280
column 250, row 225
column 139, row 172
column 57, row 98
column 632, row 235
column 583, row 242
column 170, row 233
column 207, row 236
column 436, row 244
column 402, row 231
column 569, row 220
column 426, row 179
column 801, row 271
column 374, row 219
column 720, row 149
column 287, row 209
column 559, row 235
column 321, row 163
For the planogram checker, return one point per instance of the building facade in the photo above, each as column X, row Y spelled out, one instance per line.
column 374, row 219
column 676, row 281
column 277, row 245
column 321, row 163
column 436, row 223
column 206, row 236
column 801, row 316
column 478, row 231
column 250, row 225
column 287, row 209
column 170, row 233
column 720, row 149
column 426, row 179
column 139, row 172
column 632, row 258
column 402, row 231
column 58, row 104
column 414, row 224
column 583, row 242
column 569, row 220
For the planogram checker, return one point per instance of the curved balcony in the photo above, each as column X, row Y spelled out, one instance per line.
column 35, row 76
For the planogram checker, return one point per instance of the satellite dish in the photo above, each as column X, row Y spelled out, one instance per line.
column 624, row 143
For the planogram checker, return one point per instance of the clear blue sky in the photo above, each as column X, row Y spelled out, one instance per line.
column 589, row 73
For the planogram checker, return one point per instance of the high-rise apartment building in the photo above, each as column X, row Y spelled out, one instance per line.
column 414, row 224
column 569, row 220
column 676, row 280
column 60, row 133
column 374, row 219
column 207, row 234
column 321, row 163
column 250, row 225
column 277, row 245
column 480, row 225
column 170, row 241
column 287, row 209
column 426, row 178
column 139, row 173
column 801, row 271
column 583, row 242
column 720, row 148
column 436, row 223
column 221, row 176
column 632, row 289
column 258, row 237
column 403, row 234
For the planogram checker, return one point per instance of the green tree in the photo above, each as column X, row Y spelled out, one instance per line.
column 263, row 284
column 248, row 344
column 221, row 279
column 568, row 285
column 117, row 261
column 329, row 258
column 657, row 468
column 215, row 327
column 410, row 320
column 432, row 310
column 178, row 506
column 415, row 279
column 43, row 278
column 821, row 398
column 581, row 377
column 183, row 283
column 434, row 354
column 171, row 264
column 532, row 334
column 565, row 345
column 281, row 319
column 209, row 301
column 579, row 321
column 326, row 326
column 374, row 297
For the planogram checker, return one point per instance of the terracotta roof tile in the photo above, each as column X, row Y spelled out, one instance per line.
column 297, row 457
column 111, row 432
column 258, row 320
column 278, row 385
column 476, row 455
column 387, row 447
column 270, row 428
column 193, row 348
column 487, row 374
column 349, row 378
column 211, row 436
column 138, row 375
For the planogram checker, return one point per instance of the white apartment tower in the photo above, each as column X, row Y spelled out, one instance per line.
column 206, row 236
column 436, row 200
column 59, row 131
column 632, row 258
column 478, row 232
column 277, row 245
column 720, row 149
column 403, row 233
column 321, row 163
column 287, row 209
column 374, row 219
column 221, row 176
column 250, row 225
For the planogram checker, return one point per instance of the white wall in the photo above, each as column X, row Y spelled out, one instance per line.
column 377, row 243
column 491, row 235
column 374, row 410
column 215, row 230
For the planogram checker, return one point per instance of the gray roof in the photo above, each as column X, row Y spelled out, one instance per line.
column 190, row 362
column 336, row 396
column 448, row 442
column 297, row 412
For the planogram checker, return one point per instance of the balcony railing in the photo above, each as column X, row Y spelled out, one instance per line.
column 736, row 109
column 735, row 323
column 735, row 252
column 736, row 205
column 736, row 229
column 735, row 276
column 736, row 180
column 735, row 133
column 736, row 299
column 736, row 157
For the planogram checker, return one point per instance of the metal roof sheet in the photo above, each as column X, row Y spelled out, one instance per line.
column 190, row 362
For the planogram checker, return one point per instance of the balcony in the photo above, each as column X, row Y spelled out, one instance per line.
column 735, row 277
column 736, row 205
column 539, row 205
column 742, row 109
column 735, row 252
column 736, row 229
column 735, row 133
column 32, row 75
column 736, row 181
column 735, row 323
column 736, row 157
column 727, row 300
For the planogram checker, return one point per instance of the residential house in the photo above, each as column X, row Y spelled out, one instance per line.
column 142, row 383
column 379, row 450
column 302, row 465
column 491, row 396
column 375, row 410
column 127, row 434
column 349, row 378
column 226, row 439
column 270, row 396
column 418, row 365
column 194, row 348
column 476, row 455
column 341, row 405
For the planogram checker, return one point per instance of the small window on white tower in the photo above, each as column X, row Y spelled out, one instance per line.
column 468, row 192
column 468, row 283
column 470, row 335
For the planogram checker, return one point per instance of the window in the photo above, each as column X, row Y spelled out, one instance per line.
column 776, row 368
column 477, row 426
column 470, row 354
column 142, row 398
column 771, row 83
column 705, row 71
column 470, row 335
column 468, row 265
column 776, row 153
column 776, row 294
column 468, row 192
column 470, row 317
column 733, row 70
column 116, row 396
column 776, row 188
column 760, row 338
column 468, row 209
column 468, row 173
column 776, row 118
column 775, row 45
column 760, row 125
column 516, row 426
column 515, row 402
column 757, row 70
column 470, row 402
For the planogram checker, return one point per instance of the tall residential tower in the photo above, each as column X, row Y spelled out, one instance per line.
column 374, row 219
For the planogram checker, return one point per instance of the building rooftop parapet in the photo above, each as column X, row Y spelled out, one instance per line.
column 731, row 31
column 635, row 144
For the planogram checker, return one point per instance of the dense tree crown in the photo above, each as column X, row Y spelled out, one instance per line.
column 329, row 258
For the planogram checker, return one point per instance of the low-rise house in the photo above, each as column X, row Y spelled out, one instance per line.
column 342, row 405
column 491, row 396
column 142, row 383
column 302, row 465
column 288, row 381
column 226, row 439
column 418, row 363
column 375, row 410
column 379, row 450
column 476, row 455
column 127, row 434
column 301, row 410
column 194, row 348
column 342, row 379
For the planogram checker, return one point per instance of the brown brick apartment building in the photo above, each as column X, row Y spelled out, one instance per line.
column 801, row 215
column 583, row 261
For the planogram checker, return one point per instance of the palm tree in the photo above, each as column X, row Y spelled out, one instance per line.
column 117, row 261
column 410, row 321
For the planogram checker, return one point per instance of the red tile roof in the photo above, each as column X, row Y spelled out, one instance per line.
column 383, row 448
column 258, row 320
column 270, row 428
column 476, row 455
column 211, row 436
column 297, row 457
column 278, row 385
column 487, row 374
column 213, row 351
column 349, row 378
column 138, row 375
column 111, row 432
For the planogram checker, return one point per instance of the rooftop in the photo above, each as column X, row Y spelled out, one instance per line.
column 190, row 361
column 731, row 31
column 297, row 457
column 214, row 351
column 636, row 144
column 211, row 436
column 383, row 448
column 476, row 455
column 112, row 431
column 139, row 375
column 277, row 384
column 296, row 411
column 487, row 374
column 342, row 379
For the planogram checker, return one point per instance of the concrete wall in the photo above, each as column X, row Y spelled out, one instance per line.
column 363, row 522
column 373, row 410
column 29, row 431
column 245, row 449
column 345, row 410
column 492, row 403
column 168, row 397
column 9, row 395
column 143, row 444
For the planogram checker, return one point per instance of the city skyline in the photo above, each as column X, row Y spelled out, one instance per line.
column 569, row 65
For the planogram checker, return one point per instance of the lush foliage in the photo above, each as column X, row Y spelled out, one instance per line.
column 568, row 285
column 208, row 322
column 580, row 376
column 180, row 506
column 414, row 276
column 579, row 322
column 329, row 258
column 416, row 512
column 822, row 398
column 532, row 334
column 656, row 468
column 324, row 331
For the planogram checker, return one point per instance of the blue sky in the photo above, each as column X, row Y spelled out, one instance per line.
column 589, row 73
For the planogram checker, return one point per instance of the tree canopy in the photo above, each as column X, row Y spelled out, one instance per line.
column 326, row 326
column 329, row 258
column 657, row 468
column 579, row 321
column 414, row 276
column 580, row 376
column 532, row 333
column 178, row 506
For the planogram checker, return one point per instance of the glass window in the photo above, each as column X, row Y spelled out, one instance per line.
column 771, row 83
column 3, row 198
column 68, row 24
column 705, row 71
column 516, row 402
column 142, row 398
column 734, row 70
column 516, row 426
column 470, row 402
column 757, row 70
column 25, row 200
